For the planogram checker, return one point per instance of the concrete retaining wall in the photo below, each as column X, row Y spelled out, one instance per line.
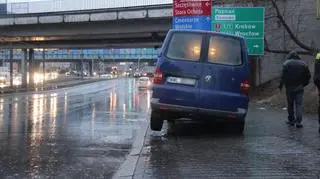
column 301, row 16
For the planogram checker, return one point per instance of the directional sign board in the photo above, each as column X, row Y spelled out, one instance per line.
column 247, row 22
column 192, row 14
column 192, row 22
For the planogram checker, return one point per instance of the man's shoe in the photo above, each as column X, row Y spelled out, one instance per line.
column 299, row 125
column 291, row 123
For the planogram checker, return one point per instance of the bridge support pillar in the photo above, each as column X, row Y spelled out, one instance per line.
column 24, row 69
column 36, row 66
column 31, row 68
column 43, row 66
column 77, row 67
column 91, row 67
column 11, row 67
column 2, row 63
column 82, row 69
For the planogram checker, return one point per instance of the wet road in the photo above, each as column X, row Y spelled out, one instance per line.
column 268, row 149
column 79, row 132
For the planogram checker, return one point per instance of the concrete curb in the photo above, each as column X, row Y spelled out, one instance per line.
column 128, row 167
column 76, row 84
column 19, row 90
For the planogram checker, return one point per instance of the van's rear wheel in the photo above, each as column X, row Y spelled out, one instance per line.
column 156, row 122
column 238, row 128
column 171, row 126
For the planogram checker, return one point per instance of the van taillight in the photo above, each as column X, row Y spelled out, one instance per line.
column 245, row 86
column 158, row 77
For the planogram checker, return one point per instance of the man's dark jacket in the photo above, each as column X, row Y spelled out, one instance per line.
column 295, row 73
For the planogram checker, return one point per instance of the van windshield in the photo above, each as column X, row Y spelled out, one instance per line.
column 224, row 50
column 185, row 46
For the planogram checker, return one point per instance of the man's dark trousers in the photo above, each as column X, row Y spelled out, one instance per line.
column 294, row 101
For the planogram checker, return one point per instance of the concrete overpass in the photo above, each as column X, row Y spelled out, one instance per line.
column 133, row 27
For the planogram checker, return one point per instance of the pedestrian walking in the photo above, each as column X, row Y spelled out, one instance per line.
column 316, row 80
column 295, row 76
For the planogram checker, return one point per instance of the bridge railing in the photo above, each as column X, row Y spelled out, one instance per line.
column 28, row 6
column 99, row 54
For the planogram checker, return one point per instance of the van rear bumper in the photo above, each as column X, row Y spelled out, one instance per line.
column 240, row 114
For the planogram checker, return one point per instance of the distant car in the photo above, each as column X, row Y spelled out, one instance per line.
column 150, row 75
column 3, row 80
column 201, row 73
column 136, row 75
column 144, row 83
column 108, row 76
column 75, row 73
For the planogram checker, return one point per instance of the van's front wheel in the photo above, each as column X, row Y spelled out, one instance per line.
column 156, row 122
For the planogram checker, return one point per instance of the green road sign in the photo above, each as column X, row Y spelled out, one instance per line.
column 247, row 22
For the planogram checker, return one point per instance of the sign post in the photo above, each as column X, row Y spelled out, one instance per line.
column 192, row 14
column 247, row 22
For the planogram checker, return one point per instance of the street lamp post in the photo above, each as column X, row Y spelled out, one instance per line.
column 3, row 57
column 139, row 64
column 11, row 67
column 43, row 66
column 82, row 56
column 99, row 66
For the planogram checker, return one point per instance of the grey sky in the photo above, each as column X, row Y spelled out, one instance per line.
column 13, row 1
column 39, row 6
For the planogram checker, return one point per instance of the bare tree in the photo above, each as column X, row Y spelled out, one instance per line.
column 306, row 50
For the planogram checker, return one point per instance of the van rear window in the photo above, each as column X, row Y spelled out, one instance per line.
column 224, row 50
column 185, row 46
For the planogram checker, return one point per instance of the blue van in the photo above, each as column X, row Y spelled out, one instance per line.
column 201, row 74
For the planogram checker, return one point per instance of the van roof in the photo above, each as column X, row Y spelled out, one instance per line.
column 204, row 31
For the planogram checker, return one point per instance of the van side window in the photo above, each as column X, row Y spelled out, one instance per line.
column 185, row 46
column 224, row 50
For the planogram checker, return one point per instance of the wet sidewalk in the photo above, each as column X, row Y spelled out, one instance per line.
column 268, row 149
